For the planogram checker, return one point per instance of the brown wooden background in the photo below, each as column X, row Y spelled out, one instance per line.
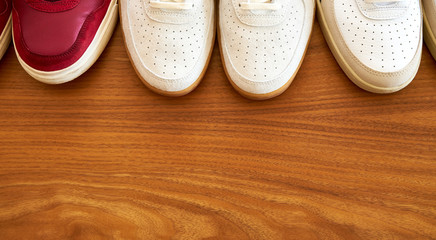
column 102, row 157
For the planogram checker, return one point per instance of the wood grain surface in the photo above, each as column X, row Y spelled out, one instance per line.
column 103, row 157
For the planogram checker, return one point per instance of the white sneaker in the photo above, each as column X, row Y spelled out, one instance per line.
column 430, row 25
column 169, row 42
column 263, row 43
column 378, row 43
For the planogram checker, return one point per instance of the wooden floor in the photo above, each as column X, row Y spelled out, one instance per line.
column 103, row 157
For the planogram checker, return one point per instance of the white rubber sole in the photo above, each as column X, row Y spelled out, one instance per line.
column 5, row 37
column 351, row 74
column 429, row 37
column 98, row 44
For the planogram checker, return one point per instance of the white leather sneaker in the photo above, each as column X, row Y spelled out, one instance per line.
column 378, row 43
column 430, row 25
column 263, row 43
column 169, row 42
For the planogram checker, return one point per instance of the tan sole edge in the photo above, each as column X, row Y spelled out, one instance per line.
column 174, row 93
column 265, row 96
column 5, row 37
column 343, row 64
column 91, row 55
column 429, row 37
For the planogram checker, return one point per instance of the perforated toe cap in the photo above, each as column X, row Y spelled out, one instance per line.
column 169, row 49
column 379, row 44
column 263, row 50
column 382, row 43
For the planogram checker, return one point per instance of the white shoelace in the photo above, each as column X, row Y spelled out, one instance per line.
column 172, row 4
column 260, row 5
column 382, row 1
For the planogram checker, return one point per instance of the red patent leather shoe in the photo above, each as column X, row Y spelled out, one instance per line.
column 58, row 40
column 5, row 25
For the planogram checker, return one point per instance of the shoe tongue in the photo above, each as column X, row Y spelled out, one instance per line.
column 52, row 5
column 383, row 10
column 171, row 16
column 384, row 4
column 263, row 18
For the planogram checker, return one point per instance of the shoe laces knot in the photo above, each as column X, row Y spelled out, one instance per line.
column 383, row 3
column 172, row 4
column 260, row 5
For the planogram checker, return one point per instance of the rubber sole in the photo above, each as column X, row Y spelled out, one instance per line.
column 351, row 74
column 429, row 37
column 265, row 96
column 97, row 46
column 172, row 93
column 5, row 37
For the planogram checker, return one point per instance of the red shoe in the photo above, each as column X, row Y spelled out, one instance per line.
column 5, row 25
column 58, row 40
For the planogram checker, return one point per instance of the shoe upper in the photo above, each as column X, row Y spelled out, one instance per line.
column 5, row 12
column 380, row 40
column 263, row 42
column 430, row 11
column 53, row 35
column 169, row 42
